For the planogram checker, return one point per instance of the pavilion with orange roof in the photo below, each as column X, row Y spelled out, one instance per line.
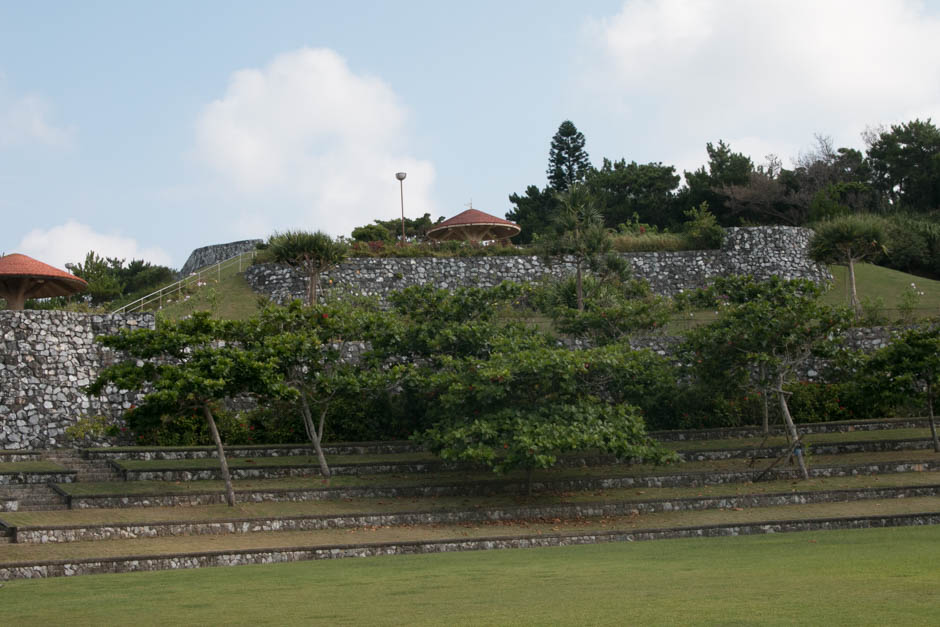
column 23, row 277
column 473, row 225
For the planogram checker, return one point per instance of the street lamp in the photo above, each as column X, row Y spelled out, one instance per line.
column 401, row 188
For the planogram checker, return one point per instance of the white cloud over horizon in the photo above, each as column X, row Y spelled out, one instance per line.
column 307, row 143
column 26, row 119
column 766, row 75
column 71, row 241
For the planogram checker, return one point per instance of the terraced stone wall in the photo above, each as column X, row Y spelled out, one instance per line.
column 759, row 251
column 209, row 255
column 45, row 359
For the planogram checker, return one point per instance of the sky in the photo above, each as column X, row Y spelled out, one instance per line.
column 144, row 130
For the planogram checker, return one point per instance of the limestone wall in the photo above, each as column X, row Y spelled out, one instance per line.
column 45, row 359
column 209, row 255
column 759, row 251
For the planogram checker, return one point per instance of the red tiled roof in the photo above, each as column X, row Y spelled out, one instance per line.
column 17, row 265
column 472, row 216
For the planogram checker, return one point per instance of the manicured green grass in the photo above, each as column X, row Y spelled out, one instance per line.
column 31, row 466
column 285, row 460
column 376, row 505
column 876, row 282
column 229, row 298
column 864, row 577
column 812, row 438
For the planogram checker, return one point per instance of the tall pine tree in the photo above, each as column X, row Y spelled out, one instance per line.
column 567, row 160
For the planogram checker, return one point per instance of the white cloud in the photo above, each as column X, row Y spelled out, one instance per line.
column 25, row 120
column 70, row 242
column 774, row 72
column 307, row 143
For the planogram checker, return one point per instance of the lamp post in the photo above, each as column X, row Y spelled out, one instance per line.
column 401, row 188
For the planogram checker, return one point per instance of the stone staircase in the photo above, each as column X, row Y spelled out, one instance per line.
column 88, row 470
column 30, row 497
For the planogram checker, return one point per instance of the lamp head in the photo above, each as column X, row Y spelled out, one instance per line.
column 401, row 175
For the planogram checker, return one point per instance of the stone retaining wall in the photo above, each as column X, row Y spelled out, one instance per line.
column 64, row 568
column 209, row 255
column 75, row 533
column 759, row 251
column 45, row 359
column 485, row 488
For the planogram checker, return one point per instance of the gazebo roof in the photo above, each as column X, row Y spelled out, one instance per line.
column 473, row 225
column 23, row 277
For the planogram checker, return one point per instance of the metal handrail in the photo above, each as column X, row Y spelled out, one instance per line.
column 177, row 287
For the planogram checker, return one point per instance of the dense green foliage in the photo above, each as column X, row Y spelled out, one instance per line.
column 110, row 279
column 898, row 177
column 568, row 162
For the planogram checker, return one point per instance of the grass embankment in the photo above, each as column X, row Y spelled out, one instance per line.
column 30, row 466
column 877, row 282
column 273, row 509
column 266, row 462
column 225, row 294
column 863, row 577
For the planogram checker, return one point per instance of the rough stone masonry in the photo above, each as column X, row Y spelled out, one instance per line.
column 45, row 359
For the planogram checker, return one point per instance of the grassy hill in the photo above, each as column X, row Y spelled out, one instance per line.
column 229, row 296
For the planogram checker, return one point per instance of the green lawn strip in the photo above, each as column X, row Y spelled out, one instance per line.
column 353, row 506
column 876, row 282
column 858, row 577
column 455, row 478
column 411, row 533
column 812, row 438
column 282, row 461
column 31, row 466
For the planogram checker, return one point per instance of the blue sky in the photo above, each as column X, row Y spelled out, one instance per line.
column 149, row 129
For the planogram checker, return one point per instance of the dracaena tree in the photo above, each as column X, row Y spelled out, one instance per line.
column 186, row 368
column 314, row 253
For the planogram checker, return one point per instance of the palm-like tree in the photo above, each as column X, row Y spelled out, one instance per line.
column 846, row 240
column 314, row 252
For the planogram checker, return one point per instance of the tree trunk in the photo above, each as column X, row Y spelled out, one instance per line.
column 223, row 463
column 314, row 435
column 856, row 306
column 579, row 287
column 933, row 426
column 788, row 421
column 313, row 287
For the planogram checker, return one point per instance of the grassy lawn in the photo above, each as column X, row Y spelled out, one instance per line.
column 877, row 282
column 229, row 298
column 349, row 506
column 30, row 466
column 286, row 460
column 864, row 577
column 812, row 438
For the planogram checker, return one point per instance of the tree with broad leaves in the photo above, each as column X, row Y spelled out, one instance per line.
column 568, row 162
column 905, row 164
column 520, row 409
column 765, row 332
column 910, row 367
column 186, row 368
column 306, row 344
column 315, row 253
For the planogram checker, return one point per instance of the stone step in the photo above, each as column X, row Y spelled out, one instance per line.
column 171, row 498
column 274, row 554
column 467, row 514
